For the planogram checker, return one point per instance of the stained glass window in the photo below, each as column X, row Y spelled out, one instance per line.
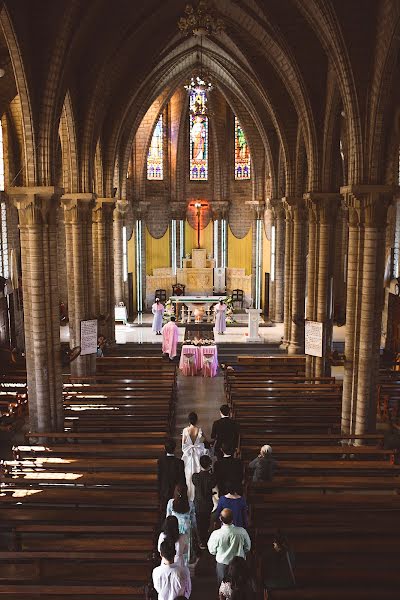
column 198, row 126
column 242, row 153
column 155, row 156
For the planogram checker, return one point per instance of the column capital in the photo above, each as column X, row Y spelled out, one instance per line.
column 121, row 208
column 77, row 207
column 323, row 205
column 368, row 204
column 277, row 206
column 34, row 204
column 219, row 209
column 103, row 209
column 295, row 207
column 178, row 210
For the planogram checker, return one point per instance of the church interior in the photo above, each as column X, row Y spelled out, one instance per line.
column 199, row 206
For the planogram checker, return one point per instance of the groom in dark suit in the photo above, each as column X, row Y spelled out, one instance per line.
column 171, row 471
column 225, row 431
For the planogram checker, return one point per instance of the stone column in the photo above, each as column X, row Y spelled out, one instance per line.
column 178, row 213
column 257, row 208
column 279, row 259
column 37, row 213
column 219, row 211
column 311, row 277
column 79, row 251
column 352, row 322
column 287, row 310
column 339, row 285
column 368, row 208
column 119, row 215
column 296, row 210
column 325, row 207
column 103, row 265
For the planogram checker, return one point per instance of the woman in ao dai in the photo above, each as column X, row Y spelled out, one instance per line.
column 220, row 316
column 180, row 507
column 192, row 449
column 158, row 311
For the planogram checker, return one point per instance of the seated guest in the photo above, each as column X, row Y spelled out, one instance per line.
column 204, row 483
column 238, row 582
column 224, row 431
column 264, row 465
column 170, row 533
column 278, row 565
column 236, row 503
column 169, row 579
column 171, row 471
column 228, row 469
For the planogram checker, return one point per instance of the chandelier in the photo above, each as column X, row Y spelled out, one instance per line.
column 200, row 20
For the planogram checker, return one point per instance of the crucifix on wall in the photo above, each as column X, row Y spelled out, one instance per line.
column 198, row 206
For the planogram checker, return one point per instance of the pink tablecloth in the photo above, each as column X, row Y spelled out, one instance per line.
column 195, row 359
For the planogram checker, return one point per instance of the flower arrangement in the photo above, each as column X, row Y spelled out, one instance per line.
column 229, row 311
column 169, row 311
column 199, row 342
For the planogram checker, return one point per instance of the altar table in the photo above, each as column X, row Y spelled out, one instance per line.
column 196, row 359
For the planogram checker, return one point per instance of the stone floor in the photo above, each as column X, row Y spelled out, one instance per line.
column 203, row 396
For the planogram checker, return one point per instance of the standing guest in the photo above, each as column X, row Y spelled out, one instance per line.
column 203, row 483
column 264, row 465
column 170, row 333
column 228, row 469
column 169, row 579
column 224, row 431
column 158, row 311
column 236, row 503
column 228, row 542
column 180, row 507
column 220, row 316
column 171, row 471
column 192, row 449
column 170, row 533
column 238, row 582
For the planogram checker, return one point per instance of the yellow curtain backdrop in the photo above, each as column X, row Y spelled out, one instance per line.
column 157, row 252
column 206, row 238
column 132, row 265
column 266, row 263
column 240, row 251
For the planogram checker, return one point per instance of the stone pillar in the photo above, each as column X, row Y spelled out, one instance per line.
column 103, row 266
column 37, row 213
column 339, row 283
column 325, row 207
column 352, row 322
column 311, row 278
column 296, row 211
column 279, row 214
column 219, row 211
column 178, row 214
column 257, row 208
column 79, row 252
column 287, row 310
column 368, row 213
column 119, row 215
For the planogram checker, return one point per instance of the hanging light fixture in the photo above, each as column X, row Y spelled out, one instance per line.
column 198, row 87
column 200, row 20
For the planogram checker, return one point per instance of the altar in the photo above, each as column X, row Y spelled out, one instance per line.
column 196, row 306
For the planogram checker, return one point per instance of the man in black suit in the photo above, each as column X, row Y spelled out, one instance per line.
column 228, row 470
column 224, row 431
column 171, row 471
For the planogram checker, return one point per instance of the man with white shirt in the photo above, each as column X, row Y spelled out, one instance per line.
column 228, row 542
column 169, row 579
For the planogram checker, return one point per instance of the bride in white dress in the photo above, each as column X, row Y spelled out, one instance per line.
column 192, row 449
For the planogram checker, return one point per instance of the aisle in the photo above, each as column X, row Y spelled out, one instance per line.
column 203, row 396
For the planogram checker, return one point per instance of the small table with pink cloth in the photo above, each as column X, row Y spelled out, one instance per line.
column 199, row 360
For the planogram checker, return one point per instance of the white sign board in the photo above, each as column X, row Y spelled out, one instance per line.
column 89, row 337
column 313, row 338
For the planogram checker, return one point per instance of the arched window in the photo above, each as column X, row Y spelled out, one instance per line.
column 242, row 153
column 198, row 129
column 155, row 156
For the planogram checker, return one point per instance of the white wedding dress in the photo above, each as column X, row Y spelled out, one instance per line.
column 191, row 452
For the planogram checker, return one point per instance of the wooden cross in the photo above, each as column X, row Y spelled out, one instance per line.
column 198, row 206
